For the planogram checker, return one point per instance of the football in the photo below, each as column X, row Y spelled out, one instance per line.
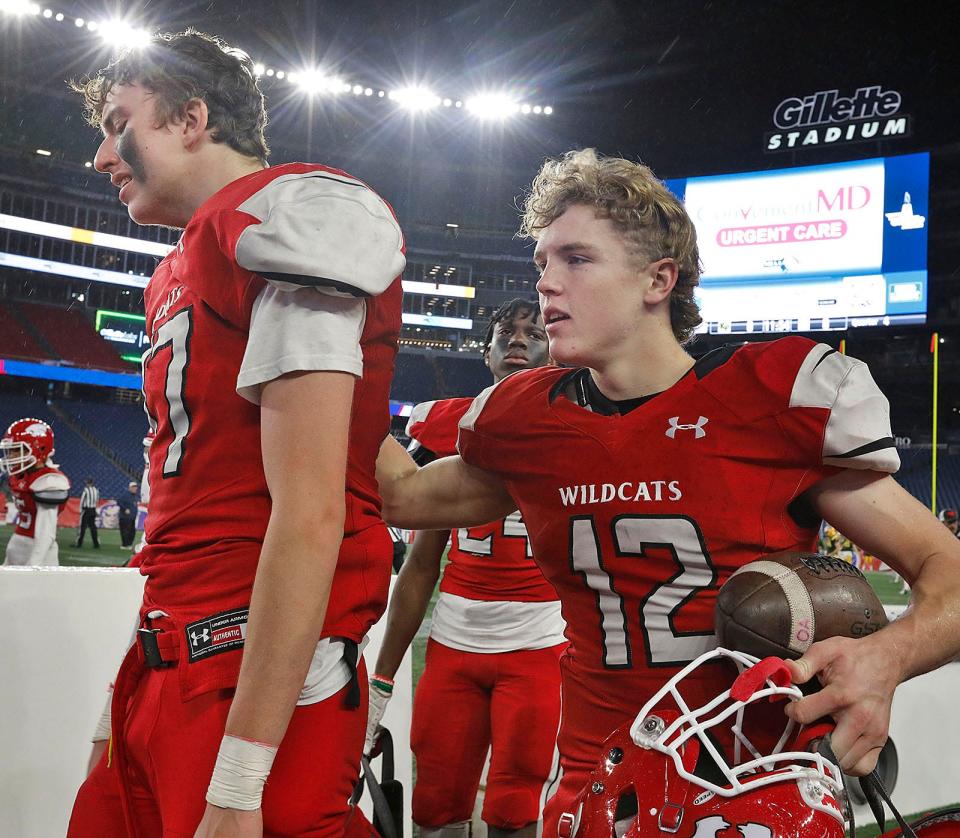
column 781, row 604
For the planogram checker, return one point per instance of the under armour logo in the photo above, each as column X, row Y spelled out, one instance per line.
column 195, row 638
column 676, row 426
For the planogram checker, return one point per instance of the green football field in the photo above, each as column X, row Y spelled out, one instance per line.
column 111, row 554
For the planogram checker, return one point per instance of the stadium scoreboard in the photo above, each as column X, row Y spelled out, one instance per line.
column 812, row 248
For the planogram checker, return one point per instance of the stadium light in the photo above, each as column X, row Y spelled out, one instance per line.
column 415, row 98
column 313, row 81
column 492, row 106
column 120, row 33
column 258, row 69
column 19, row 8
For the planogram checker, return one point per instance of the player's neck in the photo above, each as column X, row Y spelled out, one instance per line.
column 210, row 173
column 657, row 367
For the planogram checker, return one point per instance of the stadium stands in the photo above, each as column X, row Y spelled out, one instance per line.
column 462, row 375
column 77, row 458
column 16, row 341
column 914, row 475
column 120, row 428
column 72, row 337
column 414, row 379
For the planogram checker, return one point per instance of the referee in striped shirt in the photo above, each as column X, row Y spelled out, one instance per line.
column 88, row 513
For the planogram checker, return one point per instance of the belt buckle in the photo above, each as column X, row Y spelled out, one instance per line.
column 150, row 647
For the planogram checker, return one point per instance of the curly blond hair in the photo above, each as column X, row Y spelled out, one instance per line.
column 638, row 204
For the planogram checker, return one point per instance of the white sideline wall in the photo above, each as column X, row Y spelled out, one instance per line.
column 63, row 632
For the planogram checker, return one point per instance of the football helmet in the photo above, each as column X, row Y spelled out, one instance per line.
column 665, row 774
column 27, row 443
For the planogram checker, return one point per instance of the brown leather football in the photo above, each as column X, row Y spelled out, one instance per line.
column 780, row 604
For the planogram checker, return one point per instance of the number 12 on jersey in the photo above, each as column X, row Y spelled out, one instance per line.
column 633, row 536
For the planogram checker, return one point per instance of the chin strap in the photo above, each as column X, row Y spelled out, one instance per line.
column 873, row 790
column 876, row 796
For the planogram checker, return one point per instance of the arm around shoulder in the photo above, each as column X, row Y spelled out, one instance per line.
column 445, row 494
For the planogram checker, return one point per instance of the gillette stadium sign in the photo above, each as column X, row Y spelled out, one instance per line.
column 826, row 118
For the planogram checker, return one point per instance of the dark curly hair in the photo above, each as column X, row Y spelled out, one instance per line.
column 637, row 203
column 510, row 310
column 185, row 66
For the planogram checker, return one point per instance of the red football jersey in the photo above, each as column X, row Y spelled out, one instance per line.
column 45, row 485
column 492, row 562
column 638, row 519
column 209, row 503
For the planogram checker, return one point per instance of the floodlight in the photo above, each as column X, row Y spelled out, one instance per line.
column 79, row 22
column 259, row 69
column 447, row 103
column 368, row 91
column 59, row 16
column 548, row 110
column 492, row 106
column 121, row 33
column 48, row 13
column 415, row 98
column 270, row 71
column 280, row 74
column 310, row 81
column 44, row 153
column 525, row 109
column 537, row 109
column 19, row 7
column 357, row 90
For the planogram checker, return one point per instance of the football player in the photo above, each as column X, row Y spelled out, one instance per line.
column 39, row 490
column 266, row 558
column 645, row 478
column 495, row 637
column 144, row 495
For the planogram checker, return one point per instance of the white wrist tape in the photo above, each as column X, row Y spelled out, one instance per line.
column 103, row 729
column 239, row 774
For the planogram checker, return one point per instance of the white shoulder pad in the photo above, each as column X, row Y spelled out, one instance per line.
column 858, row 431
column 469, row 419
column 52, row 487
column 321, row 230
column 417, row 415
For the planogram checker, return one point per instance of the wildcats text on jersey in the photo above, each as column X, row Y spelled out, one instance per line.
column 641, row 490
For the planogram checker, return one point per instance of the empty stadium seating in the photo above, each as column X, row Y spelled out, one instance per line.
column 75, row 456
column 16, row 341
column 914, row 475
column 72, row 337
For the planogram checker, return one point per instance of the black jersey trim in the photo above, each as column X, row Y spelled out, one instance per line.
column 421, row 456
column 824, row 357
column 876, row 445
column 315, row 282
column 714, row 359
column 588, row 395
